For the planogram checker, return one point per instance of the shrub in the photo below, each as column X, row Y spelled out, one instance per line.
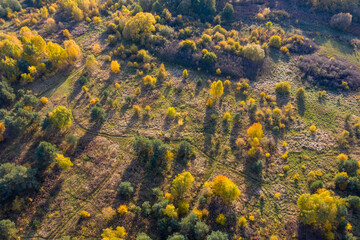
column 330, row 72
column 149, row 80
column 71, row 140
column 142, row 236
column 181, row 184
column 354, row 202
column 171, row 112
column 258, row 166
column 209, row 58
column 184, row 151
column 125, row 189
column 200, row 230
column 341, row 21
column 312, row 128
column 228, row 12
column 225, row 188
column 253, row 52
column 146, row 208
column 46, row 153
column 183, row 207
column 122, row 210
column 242, row 222
column 97, row 114
column 176, row 236
column 283, row 88
column 85, row 214
column 14, row 180
column 7, row 229
column 217, row 89
column 115, row 66
column 185, row 74
column 217, row 235
column 139, row 27
column 60, row 117
column 221, row 219
column 314, row 186
column 188, row 45
column 275, row 41
column 7, row 95
column 300, row 94
column 110, row 233
column 300, row 44
column 63, row 162
column 341, row 180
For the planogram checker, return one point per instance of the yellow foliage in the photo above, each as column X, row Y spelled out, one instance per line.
column 63, row 162
column 44, row 100
column 242, row 222
column 85, row 214
column 225, row 188
column 170, row 211
column 185, row 74
column 342, row 157
column 149, row 80
column 227, row 116
column 122, row 210
column 312, row 128
column 277, row 195
column 255, row 131
column 217, row 89
column 221, row 219
column 171, row 112
column 181, row 184
column 115, row 66
column 139, row 27
column 117, row 234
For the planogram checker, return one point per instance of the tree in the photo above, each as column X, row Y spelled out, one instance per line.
column 91, row 63
column 115, row 67
column 46, row 153
column 72, row 50
column 253, row 52
column 14, row 180
column 188, row 45
column 181, row 184
column 97, row 114
column 63, row 162
column 139, row 27
column 228, row 12
column 125, row 189
column 217, row 89
column 255, row 131
column 60, row 117
column 7, row 229
column 112, row 234
column 322, row 211
column 56, row 55
column 341, row 21
column 185, row 74
column 200, row 230
column 225, row 188
column 170, row 211
column 7, row 95
column 184, row 152
column 176, row 236
column 217, row 235
column 209, row 58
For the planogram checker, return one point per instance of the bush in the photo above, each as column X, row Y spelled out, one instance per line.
column 300, row 44
column 171, row 112
column 7, row 229
column 354, row 202
column 341, row 21
column 275, row 41
column 330, row 72
column 217, row 235
column 125, row 189
column 143, row 236
column 176, row 236
column 283, row 88
column 258, row 166
column 97, row 114
column 188, row 45
column 63, row 162
column 71, row 140
column 253, row 52
column 228, row 12
column 300, row 94
column 46, row 153
column 14, row 180
column 200, row 230
column 184, row 152
column 146, row 208
column 7, row 95
column 314, row 186
column 60, row 117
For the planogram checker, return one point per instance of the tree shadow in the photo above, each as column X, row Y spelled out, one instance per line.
column 301, row 106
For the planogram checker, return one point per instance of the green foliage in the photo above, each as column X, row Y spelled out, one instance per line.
column 9, row 6
column 7, row 95
column 46, row 153
column 71, row 140
column 314, row 186
column 7, row 229
column 98, row 114
column 143, row 236
column 217, row 235
column 275, row 41
column 228, row 12
column 188, row 45
column 14, row 180
column 146, row 208
column 209, row 58
column 184, row 152
column 125, row 189
column 349, row 165
column 354, row 202
column 258, row 166
column 176, row 236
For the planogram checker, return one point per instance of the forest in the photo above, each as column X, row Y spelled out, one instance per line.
column 180, row 120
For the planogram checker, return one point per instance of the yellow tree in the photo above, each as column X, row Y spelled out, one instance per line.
column 60, row 117
column 63, row 162
column 255, row 131
column 73, row 51
column 115, row 66
column 111, row 234
column 217, row 89
column 225, row 188
column 139, row 26
column 181, row 184
column 56, row 54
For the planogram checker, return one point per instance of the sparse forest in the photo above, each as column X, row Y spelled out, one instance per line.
column 180, row 120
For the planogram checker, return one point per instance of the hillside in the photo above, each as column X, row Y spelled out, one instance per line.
column 180, row 120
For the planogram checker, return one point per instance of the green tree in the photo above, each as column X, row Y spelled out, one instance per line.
column 46, row 153
column 228, row 12
column 7, row 229
column 217, row 235
column 143, row 236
